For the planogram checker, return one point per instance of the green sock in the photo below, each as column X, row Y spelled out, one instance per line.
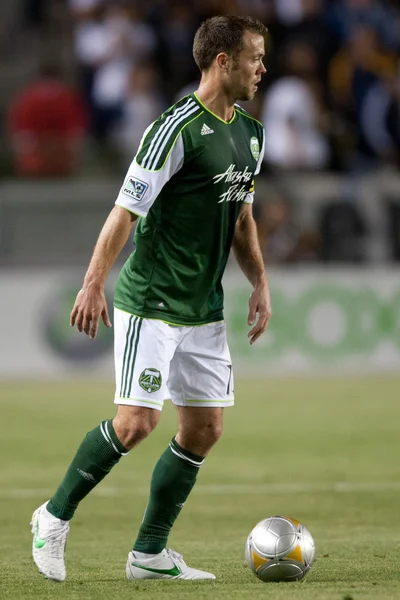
column 172, row 481
column 96, row 456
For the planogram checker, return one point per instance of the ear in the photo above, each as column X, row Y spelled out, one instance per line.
column 223, row 61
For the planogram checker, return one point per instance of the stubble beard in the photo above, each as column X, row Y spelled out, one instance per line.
column 246, row 95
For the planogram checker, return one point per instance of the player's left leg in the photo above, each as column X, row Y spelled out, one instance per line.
column 201, row 385
column 172, row 481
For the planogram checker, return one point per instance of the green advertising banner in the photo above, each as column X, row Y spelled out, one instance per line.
column 320, row 319
column 341, row 320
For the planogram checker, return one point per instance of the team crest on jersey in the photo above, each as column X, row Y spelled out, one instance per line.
column 255, row 148
column 150, row 380
column 135, row 188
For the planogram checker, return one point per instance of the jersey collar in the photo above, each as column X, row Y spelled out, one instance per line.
column 213, row 114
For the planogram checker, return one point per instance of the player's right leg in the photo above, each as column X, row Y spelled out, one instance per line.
column 98, row 453
column 142, row 359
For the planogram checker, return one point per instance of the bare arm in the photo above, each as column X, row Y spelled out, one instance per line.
column 246, row 249
column 90, row 303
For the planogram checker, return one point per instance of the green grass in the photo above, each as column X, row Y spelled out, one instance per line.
column 311, row 432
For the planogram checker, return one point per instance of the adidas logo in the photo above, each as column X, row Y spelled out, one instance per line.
column 205, row 130
column 87, row 476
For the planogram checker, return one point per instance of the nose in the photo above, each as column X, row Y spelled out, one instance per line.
column 262, row 69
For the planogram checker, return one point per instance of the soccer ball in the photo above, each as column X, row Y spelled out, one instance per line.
column 280, row 549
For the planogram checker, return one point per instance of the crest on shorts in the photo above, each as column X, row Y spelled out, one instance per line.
column 255, row 148
column 150, row 380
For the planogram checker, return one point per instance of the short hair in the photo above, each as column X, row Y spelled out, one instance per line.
column 223, row 34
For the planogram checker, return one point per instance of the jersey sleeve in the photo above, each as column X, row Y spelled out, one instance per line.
column 249, row 199
column 142, row 186
column 262, row 151
column 250, row 196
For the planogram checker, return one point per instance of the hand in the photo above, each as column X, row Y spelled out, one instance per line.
column 89, row 305
column 260, row 302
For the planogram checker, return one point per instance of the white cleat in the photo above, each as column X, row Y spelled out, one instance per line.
column 49, row 540
column 166, row 565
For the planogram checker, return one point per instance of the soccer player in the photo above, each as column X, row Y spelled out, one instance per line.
column 190, row 187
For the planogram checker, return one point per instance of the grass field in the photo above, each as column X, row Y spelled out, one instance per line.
column 325, row 451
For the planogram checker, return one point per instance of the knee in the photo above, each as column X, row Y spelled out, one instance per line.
column 130, row 434
column 201, row 439
column 131, row 431
column 212, row 433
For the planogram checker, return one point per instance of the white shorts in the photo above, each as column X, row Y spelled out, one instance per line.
column 155, row 361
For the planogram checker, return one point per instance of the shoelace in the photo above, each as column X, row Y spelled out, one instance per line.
column 176, row 556
column 56, row 541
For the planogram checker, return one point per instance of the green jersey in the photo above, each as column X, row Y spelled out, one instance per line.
column 187, row 183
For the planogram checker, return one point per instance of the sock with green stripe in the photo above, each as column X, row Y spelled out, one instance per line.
column 96, row 456
column 172, row 481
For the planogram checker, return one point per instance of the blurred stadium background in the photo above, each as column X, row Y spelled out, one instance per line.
column 79, row 82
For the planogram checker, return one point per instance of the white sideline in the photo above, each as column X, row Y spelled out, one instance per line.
column 230, row 489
